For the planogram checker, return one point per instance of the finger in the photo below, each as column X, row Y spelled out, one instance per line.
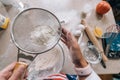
column 63, row 41
column 9, row 68
column 71, row 41
column 25, row 75
column 63, row 36
column 18, row 73
column 66, row 42
column 6, row 75
column 64, row 31
column 7, row 72
column 71, row 38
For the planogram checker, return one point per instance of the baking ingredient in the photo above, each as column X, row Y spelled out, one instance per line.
column 42, row 35
column 78, row 30
column 98, row 32
column 4, row 21
column 102, row 7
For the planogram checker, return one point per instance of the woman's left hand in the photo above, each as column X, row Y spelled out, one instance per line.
column 8, row 74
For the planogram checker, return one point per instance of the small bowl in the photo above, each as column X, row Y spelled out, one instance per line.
column 92, row 55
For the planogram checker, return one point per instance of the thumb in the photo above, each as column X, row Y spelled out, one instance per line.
column 18, row 73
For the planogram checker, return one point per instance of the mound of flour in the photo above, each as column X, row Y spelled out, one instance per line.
column 42, row 35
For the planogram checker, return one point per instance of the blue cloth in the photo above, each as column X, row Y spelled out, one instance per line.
column 115, row 44
column 114, row 49
column 71, row 77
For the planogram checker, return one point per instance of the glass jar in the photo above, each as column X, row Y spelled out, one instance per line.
column 92, row 55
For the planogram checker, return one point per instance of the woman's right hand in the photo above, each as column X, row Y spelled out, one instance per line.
column 72, row 44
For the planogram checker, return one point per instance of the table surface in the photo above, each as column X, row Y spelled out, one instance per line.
column 66, row 10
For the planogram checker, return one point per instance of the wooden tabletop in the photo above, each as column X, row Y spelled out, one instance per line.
column 8, row 50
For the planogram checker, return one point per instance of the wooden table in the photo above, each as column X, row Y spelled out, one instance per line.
column 8, row 51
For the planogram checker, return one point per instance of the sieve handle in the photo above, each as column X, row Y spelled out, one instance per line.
column 18, row 64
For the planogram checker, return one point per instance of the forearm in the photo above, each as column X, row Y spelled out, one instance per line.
column 79, row 61
column 77, row 58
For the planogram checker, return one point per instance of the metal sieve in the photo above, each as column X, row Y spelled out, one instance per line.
column 35, row 30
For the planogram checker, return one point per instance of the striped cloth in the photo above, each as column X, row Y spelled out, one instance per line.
column 61, row 77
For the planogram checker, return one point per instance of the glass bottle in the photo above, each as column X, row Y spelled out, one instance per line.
column 4, row 21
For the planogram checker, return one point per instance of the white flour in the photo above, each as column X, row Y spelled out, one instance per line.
column 42, row 35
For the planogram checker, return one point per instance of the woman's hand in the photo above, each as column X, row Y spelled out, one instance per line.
column 7, row 73
column 74, row 48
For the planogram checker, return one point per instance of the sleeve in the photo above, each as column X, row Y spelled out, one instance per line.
column 93, row 76
column 87, row 71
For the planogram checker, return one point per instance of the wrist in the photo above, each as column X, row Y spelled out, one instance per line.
column 80, row 63
column 84, row 72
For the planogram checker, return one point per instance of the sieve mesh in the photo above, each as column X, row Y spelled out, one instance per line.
column 35, row 30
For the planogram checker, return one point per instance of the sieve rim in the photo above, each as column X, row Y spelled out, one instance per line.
column 63, row 54
column 33, row 52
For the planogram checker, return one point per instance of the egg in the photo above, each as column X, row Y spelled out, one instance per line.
column 98, row 32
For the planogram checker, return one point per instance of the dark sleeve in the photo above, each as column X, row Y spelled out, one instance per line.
column 114, row 3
